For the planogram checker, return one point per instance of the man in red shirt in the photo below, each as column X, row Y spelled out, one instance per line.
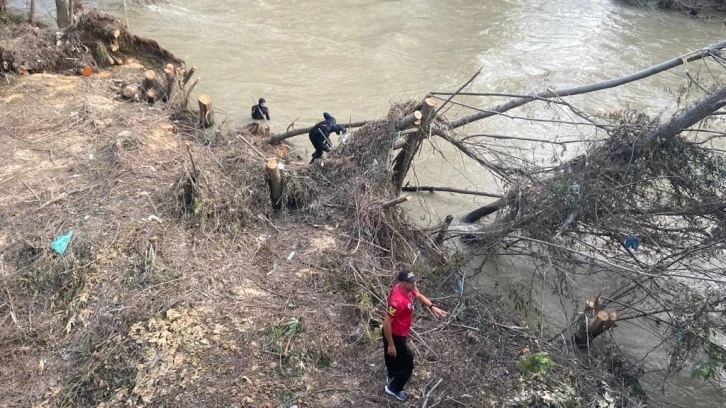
column 396, row 325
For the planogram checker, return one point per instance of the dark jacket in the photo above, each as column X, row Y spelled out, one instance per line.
column 320, row 133
column 260, row 112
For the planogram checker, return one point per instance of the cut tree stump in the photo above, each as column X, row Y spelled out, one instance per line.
column 410, row 119
column 130, row 92
column 149, row 80
column 169, row 73
column 206, row 114
column 275, row 180
column 189, row 74
column 151, row 96
column 593, row 322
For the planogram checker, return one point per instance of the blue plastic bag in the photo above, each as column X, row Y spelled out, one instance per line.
column 631, row 243
column 60, row 243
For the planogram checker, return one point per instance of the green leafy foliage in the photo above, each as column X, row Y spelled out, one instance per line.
column 708, row 369
column 538, row 363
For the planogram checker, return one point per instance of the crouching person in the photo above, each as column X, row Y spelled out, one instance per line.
column 320, row 135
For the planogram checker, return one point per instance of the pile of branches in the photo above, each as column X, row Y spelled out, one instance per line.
column 693, row 7
column 643, row 205
column 94, row 40
column 226, row 183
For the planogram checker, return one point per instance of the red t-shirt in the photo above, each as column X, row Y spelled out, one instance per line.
column 400, row 308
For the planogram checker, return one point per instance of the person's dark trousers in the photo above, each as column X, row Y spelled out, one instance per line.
column 319, row 149
column 400, row 367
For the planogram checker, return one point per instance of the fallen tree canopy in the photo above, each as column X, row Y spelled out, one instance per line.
column 640, row 203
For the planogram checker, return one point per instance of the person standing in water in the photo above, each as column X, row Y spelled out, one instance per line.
column 260, row 111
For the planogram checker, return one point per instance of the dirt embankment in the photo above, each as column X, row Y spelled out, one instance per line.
column 183, row 286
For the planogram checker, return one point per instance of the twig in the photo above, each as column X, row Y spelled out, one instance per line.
column 250, row 145
column 396, row 201
column 12, row 308
column 458, row 90
column 53, row 200
column 31, row 190
column 428, row 394
column 194, row 167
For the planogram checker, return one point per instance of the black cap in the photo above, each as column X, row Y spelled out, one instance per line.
column 327, row 116
column 407, row 276
column 262, row 100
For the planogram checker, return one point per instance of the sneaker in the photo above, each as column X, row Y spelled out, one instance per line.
column 401, row 395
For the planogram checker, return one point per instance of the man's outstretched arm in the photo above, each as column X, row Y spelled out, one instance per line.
column 430, row 305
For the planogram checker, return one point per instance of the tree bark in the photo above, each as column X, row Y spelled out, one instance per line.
column 396, row 201
column 480, row 212
column 449, row 190
column 402, row 162
column 31, row 12
column 410, row 120
column 296, row 132
column 442, row 230
column 149, row 80
column 188, row 75
column 597, row 86
column 62, row 15
column 593, row 322
column 206, row 114
column 169, row 73
column 275, row 180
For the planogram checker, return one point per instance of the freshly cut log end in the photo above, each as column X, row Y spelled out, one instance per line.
column 130, row 92
column 114, row 47
column 206, row 114
column 597, row 322
column 149, row 79
column 409, row 120
column 116, row 33
column 189, row 74
column 169, row 73
column 427, row 110
column 116, row 60
column 151, row 96
column 612, row 318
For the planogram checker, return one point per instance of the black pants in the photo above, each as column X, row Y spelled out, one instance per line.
column 319, row 149
column 400, row 367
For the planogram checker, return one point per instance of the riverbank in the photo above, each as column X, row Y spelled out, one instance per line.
column 183, row 286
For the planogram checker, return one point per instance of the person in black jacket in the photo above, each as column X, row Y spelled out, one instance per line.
column 260, row 111
column 320, row 135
